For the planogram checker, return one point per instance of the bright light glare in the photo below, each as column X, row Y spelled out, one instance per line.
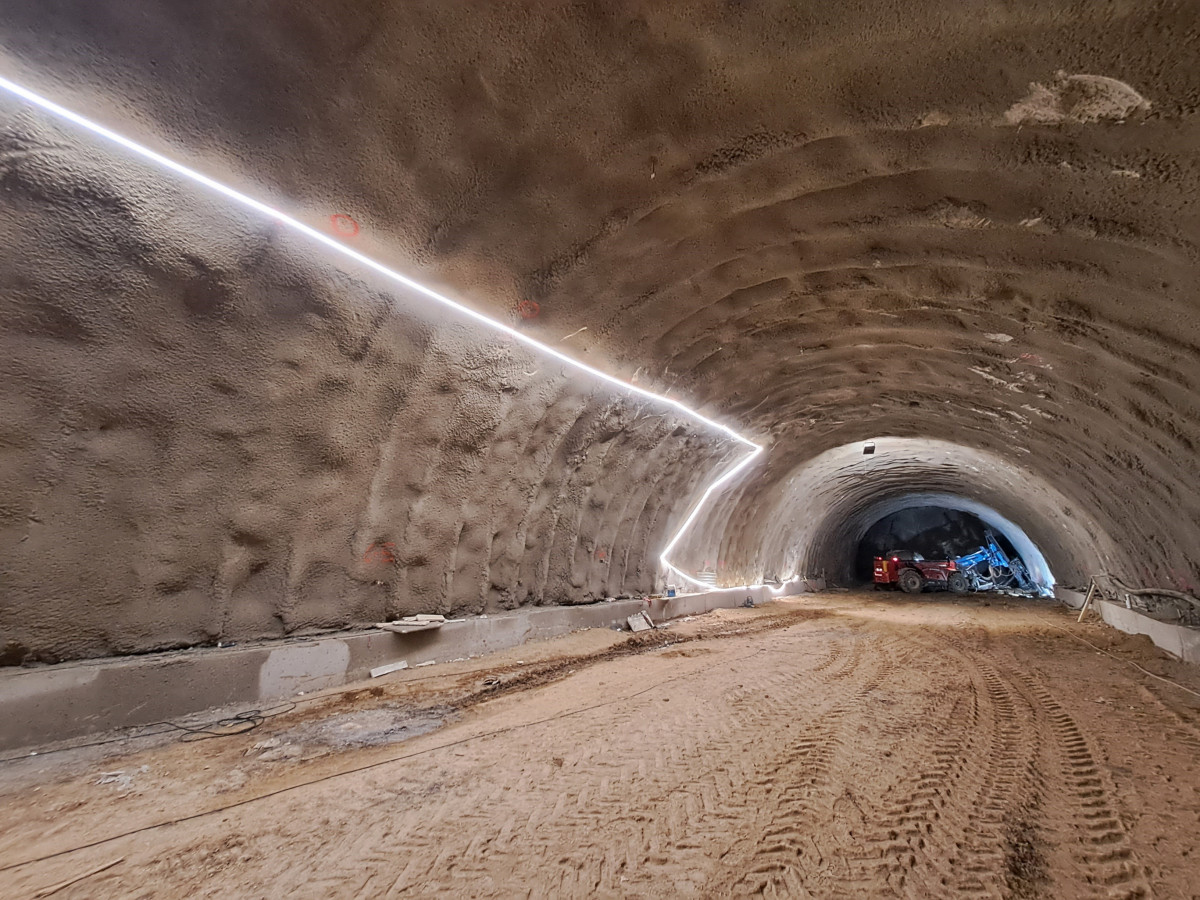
column 338, row 247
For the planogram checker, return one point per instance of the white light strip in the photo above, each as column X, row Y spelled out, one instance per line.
column 339, row 247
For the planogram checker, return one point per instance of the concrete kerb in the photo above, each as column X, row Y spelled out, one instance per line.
column 54, row 703
column 1073, row 599
column 1178, row 640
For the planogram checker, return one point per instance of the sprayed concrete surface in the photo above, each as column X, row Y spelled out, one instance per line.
column 843, row 746
column 965, row 222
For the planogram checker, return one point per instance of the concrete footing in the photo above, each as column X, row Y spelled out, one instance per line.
column 1073, row 599
column 55, row 703
column 1178, row 640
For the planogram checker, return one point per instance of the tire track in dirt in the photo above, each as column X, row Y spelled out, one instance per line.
column 1006, row 774
column 942, row 829
column 722, row 785
column 1092, row 830
column 591, row 796
column 493, row 841
column 780, row 854
column 899, row 829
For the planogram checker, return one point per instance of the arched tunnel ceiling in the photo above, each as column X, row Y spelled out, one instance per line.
column 822, row 223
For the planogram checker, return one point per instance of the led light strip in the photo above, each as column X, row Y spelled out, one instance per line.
column 339, row 247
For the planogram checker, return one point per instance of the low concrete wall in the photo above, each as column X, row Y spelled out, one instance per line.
column 54, row 703
column 1073, row 599
column 1178, row 640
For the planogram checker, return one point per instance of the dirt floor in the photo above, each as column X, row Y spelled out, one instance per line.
column 843, row 746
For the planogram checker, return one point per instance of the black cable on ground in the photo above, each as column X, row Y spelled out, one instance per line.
column 363, row 768
column 169, row 727
column 238, row 723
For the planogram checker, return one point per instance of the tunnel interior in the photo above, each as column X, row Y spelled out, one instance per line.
column 971, row 242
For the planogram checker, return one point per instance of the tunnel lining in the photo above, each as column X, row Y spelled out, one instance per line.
column 808, row 521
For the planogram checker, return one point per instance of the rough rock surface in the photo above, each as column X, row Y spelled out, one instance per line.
column 973, row 223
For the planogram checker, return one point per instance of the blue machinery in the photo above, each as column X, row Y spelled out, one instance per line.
column 990, row 568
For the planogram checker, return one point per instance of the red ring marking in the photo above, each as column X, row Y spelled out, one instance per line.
column 528, row 309
column 344, row 225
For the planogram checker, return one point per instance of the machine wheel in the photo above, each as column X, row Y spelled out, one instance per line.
column 910, row 581
column 957, row 583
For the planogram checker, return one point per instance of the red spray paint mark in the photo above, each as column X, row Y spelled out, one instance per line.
column 343, row 226
column 380, row 553
column 528, row 309
column 600, row 554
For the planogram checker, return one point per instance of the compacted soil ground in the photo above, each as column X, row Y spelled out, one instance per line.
column 838, row 746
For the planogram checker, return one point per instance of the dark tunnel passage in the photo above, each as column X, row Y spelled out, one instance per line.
column 821, row 518
column 936, row 532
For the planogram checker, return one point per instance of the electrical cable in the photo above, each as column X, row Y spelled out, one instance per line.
column 363, row 768
column 169, row 727
column 238, row 723
column 1129, row 662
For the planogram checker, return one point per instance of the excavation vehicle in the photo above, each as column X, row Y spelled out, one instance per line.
column 913, row 573
column 987, row 569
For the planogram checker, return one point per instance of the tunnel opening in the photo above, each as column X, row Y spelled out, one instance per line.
column 941, row 526
column 935, row 532
column 825, row 518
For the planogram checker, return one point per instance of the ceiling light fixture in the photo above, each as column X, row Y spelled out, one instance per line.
column 339, row 247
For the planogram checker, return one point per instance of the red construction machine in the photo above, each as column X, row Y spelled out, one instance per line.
column 912, row 573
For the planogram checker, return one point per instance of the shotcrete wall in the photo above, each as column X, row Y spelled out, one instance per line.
column 210, row 433
column 822, row 223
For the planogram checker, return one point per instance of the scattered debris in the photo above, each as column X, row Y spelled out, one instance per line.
column 122, row 779
column 640, row 622
column 1076, row 98
column 362, row 728
column 280, row 751
column 390, row 667
column 428, row 662
column 419, row 622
